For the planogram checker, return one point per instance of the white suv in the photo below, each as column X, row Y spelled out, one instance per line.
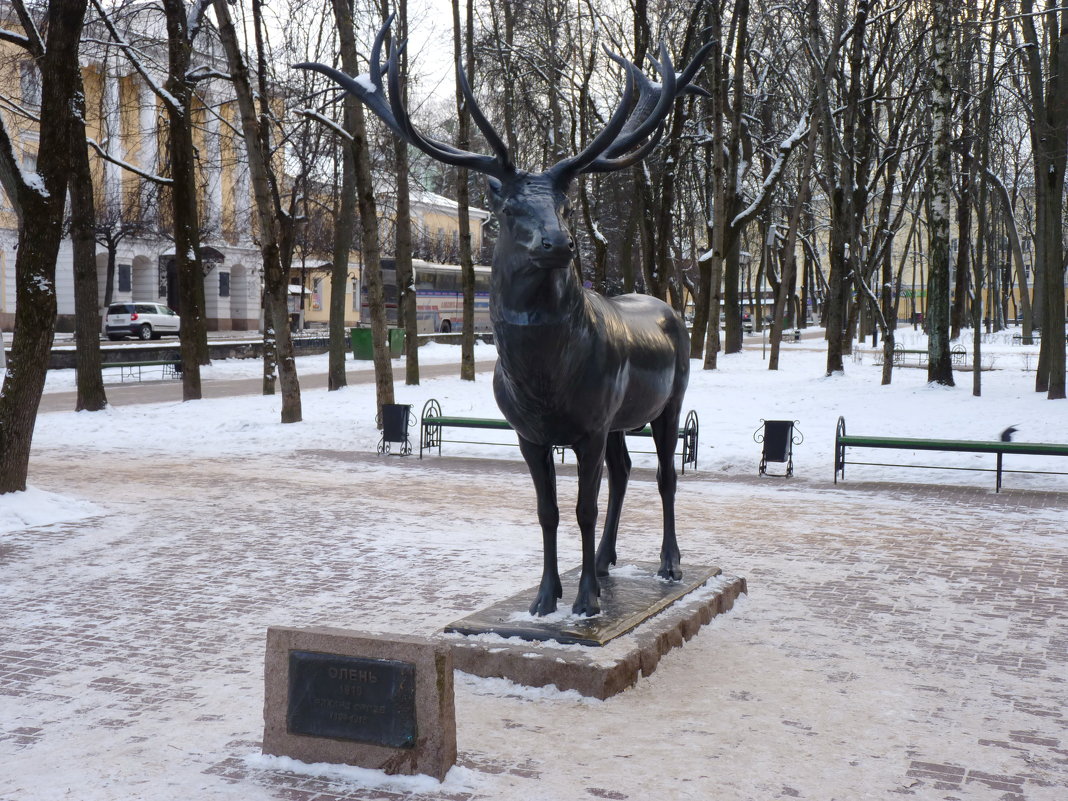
column 141, row 320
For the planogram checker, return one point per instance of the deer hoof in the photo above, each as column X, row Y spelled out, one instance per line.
column 586, row 600
column 670, row 570
column 602, row 565
column 548, row 592
column 543, row 606
column 587, row 605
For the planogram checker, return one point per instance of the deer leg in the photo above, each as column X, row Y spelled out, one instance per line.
column 618, row 461
column 666, row 437
column 590, row 455
column 542, row 469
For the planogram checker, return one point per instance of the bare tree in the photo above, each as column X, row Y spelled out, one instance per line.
column 1047, row 102
column 366, row 204
column 38, row 198
column 176, row 95
column 939, row 365
column 464, row 35
column 90, row 383
column 276, row 225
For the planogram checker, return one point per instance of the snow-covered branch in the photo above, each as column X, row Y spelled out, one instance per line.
column 786, row 147
column 157, row 179
column 14, row 38
column 18, row 109
column 204, row 72
column 312, row 114
column 34, row 42
column 131, row 53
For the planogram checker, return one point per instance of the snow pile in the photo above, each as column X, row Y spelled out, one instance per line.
column 34, row 508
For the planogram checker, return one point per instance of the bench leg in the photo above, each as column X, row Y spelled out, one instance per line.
column 998, row 487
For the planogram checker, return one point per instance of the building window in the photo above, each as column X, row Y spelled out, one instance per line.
column 224, row 284
column 30, row 84
column 355, row 295
column 125, row 278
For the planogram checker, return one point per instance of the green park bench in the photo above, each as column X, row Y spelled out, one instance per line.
column 433, row 422
column 999, row 448
column 168, row 368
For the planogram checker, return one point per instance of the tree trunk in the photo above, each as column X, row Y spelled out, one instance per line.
column 1049, row 144
column 91, row 396
column 787, row 280
column 275, row 244
column 463, row 194
column 939, row 365
column 344, row 230
column 407, row 308
column 40, row 210
column 368, row 211
column 184, row 194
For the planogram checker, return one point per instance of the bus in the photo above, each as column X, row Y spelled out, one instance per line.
column 439, row 297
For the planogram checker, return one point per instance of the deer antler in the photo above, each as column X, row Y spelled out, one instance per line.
column 612, row 149
column 389, row 108
column 605, row 152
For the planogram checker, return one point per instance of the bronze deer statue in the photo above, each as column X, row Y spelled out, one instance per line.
column 574, row 368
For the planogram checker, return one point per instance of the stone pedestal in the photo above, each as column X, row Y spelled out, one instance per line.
column 643, row 617
column 341, row 696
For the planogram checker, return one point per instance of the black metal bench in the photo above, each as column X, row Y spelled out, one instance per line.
column 170, row 368
column 998, row 448
column 957, row 354
column 432, row 422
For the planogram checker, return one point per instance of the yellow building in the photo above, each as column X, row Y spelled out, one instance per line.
column 435, row 238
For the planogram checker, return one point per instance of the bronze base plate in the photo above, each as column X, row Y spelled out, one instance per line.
column 653, row 616
column 632, row 594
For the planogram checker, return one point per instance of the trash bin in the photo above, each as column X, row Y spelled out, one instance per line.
column 361, row 344
column 779, row 438
column 396, row 343
column 395, row 420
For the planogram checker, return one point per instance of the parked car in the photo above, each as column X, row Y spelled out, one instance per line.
column 141, row 320
column 747, row 322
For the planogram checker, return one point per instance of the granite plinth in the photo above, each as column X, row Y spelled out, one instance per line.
column 598, row 672
column 333, row 695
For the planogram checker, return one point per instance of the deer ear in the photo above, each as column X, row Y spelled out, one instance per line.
column 494, row 194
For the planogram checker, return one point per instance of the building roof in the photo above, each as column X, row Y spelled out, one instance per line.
column 424, row 197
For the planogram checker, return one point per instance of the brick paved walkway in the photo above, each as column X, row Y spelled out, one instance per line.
column 898, row 640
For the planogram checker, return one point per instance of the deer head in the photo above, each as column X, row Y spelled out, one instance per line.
column 532, row 208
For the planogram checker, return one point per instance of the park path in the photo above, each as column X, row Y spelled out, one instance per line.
column 170, row 390
column 897, row 640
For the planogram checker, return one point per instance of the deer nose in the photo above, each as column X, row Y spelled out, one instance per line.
column 549, row 244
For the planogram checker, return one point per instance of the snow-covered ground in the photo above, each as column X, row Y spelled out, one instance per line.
column 730, row 403
column 904, row 633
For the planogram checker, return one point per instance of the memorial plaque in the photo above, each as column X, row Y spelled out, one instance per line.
column 350, row 698
column 374, row 700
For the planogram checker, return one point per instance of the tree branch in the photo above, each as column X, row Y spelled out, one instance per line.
column 156, row 179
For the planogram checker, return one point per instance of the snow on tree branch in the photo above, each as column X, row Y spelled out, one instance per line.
column 157, row 179
column 14, row 38
column 786, row 147
column 34, row 43
column 312, row 114
column 131, row 53
column 18, row 109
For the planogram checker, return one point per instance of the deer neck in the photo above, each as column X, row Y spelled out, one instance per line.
column 523, row 293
